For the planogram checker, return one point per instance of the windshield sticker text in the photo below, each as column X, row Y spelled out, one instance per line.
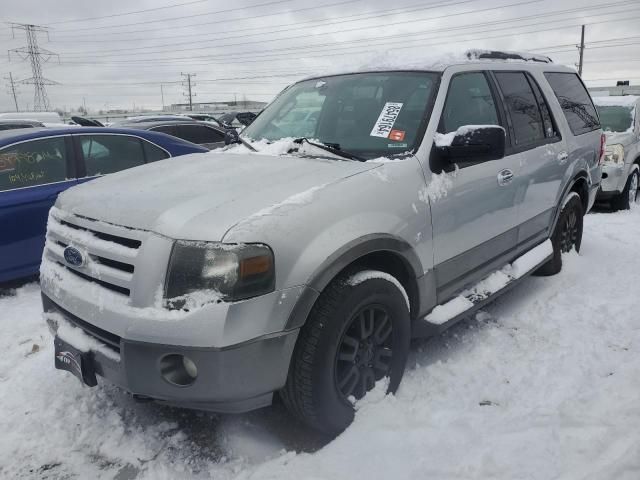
column 386, row 120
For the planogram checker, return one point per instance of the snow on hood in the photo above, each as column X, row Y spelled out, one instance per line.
column 201, row 196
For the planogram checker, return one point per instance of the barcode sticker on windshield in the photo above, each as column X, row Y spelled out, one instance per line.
column 387, row 118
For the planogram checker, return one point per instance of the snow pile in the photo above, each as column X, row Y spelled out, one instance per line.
column 438, row 186
column 76, row 337
column 543, row 385
column 446, row 139
column 441, row 314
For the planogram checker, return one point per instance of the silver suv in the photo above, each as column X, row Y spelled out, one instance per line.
column 303, row 266
column 621, row 170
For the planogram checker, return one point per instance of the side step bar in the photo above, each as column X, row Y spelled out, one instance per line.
column 484, row 292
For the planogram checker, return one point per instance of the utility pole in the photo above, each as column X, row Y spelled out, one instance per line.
column 581, row 49
column 12, row 90
column 189, row 86
column 36, row 56
column 162, row 95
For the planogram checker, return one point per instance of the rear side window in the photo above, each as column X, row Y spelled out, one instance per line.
column 153, row 153
column 168, row 129
column 198, row 134
column 469, row 102
column 33, row 163
column 110, row 153
column 522, row 106
column 575, row 102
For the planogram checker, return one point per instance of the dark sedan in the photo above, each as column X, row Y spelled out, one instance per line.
column 200, row 133
column 36, row 164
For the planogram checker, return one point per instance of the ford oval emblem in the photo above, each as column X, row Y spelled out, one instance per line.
column 73, row 257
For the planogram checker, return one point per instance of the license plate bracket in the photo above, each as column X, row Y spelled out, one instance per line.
column 80, row 364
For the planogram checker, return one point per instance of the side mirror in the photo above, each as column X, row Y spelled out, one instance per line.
column 231, row 136
column 472, row 144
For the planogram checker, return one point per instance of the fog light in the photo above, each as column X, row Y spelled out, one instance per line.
column 178, row 369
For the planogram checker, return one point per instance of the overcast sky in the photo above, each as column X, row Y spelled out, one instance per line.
column 254, row 48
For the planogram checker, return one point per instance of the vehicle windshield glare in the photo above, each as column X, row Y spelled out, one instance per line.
column 367, row 114
column 616, row 118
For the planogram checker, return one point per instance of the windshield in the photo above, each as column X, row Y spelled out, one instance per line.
column 367, row 114
column 616, row 118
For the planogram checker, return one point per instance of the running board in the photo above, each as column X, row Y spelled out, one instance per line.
column 486, row 291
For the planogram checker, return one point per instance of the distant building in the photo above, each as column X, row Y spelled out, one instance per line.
column 218, row 106
column 622, row 88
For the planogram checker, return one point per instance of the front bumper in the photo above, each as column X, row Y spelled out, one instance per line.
column 232, row 379
column 614, row 179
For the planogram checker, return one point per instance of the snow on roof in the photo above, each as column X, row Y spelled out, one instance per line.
column 616, row 101
column 399, row 60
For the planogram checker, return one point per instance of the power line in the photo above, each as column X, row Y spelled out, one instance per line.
column 329, row 20
column 127, row 13
column 369, row 27
column 36, row 56
column 146, row 22
column 374, row 41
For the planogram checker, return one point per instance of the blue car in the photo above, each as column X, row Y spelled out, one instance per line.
column 36, row 164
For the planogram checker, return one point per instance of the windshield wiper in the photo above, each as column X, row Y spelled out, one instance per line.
column 330, row 147
column 231, row 137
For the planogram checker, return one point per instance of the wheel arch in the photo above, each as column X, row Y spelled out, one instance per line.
column 578, row 184
column 379, row 252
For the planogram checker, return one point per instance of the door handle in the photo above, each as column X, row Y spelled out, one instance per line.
column 505, row 177
column 563, row 157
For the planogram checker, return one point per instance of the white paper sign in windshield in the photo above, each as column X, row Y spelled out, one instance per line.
column 385, row 121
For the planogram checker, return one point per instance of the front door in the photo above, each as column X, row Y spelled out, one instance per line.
column 474, row 213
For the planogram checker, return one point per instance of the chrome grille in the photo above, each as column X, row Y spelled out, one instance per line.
column 110, row 251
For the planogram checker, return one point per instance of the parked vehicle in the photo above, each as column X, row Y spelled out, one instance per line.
column 44, row 117
column 205, row 117
column 39, row 163
column 419, row 196
column 237, row 120
column 153, row 118
column 200, row 133
column 16, row 124
column 621, row 170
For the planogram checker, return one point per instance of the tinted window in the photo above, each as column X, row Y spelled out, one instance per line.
column 575, row 102
column 550, row 129
column 198, row 134
column 168, row 129
column 522, row 107
column 153, row 153
column 14, row 126
column 33, row 163
column 110, row 153
column 469, row 102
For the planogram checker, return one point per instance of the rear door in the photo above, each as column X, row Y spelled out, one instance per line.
column 104, row 153
column 32, row 174
column 539, row 149
column 475, row 222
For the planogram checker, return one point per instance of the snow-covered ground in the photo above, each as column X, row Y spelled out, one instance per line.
column 543, row 384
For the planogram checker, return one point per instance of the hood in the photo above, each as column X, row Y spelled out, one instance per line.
column 622, row 138
column 201, row 196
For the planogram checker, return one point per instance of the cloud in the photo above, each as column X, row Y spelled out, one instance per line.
column 260, row 46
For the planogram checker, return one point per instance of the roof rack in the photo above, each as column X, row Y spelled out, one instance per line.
column 502, row 55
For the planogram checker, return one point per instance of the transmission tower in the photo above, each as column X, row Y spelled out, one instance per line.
column 12, row 90
column 36, row 56
column 188, row 85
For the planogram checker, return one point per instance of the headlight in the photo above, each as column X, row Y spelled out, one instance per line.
column 222, row 271
column 614, row 154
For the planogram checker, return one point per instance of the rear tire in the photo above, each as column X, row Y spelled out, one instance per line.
column 357, row 333
column 629, row 195
column 567, row 235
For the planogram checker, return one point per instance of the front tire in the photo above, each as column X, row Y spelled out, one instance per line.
column 566, row 236
column 629, row 195
column 358, row 332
